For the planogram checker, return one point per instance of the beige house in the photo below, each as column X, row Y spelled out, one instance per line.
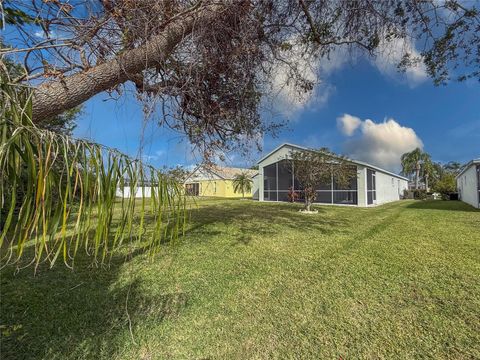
column 215, row 181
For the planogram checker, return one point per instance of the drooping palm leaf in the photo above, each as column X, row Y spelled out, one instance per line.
column 59, row 195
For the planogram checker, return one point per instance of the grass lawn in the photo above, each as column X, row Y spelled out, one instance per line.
column 260, row 280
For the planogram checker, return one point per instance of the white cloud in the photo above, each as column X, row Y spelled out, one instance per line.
column 288, row 100
column 44, row 35
column 153, row 157
column 382, row 143
column 390, row 54
column 348, row 124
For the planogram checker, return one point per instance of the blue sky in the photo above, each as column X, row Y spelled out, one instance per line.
column 405, row 111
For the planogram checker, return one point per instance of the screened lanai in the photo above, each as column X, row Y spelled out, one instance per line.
column 278, row 180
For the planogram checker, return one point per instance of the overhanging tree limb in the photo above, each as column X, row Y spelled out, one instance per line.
column 52, row 98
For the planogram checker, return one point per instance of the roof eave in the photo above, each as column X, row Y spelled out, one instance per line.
column 357, row 162
column 467, row 166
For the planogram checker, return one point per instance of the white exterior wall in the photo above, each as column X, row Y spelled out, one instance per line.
column 467, row 186
column 147, row 191
column 362, row 185
column 255, row 187
column 388, row 188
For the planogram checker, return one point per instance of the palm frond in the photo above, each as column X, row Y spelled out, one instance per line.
column 58, row 195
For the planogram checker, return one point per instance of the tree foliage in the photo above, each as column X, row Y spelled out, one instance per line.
column 208, row 64
column 446, row 185
column 317, row 167
column 242, row 183
column 412, row 164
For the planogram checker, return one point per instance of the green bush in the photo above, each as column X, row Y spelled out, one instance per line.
column 419, row 194
column 446, row 185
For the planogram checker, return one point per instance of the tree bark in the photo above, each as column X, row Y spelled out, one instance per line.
column 417, row 175
column 53, row 98
column 308, row 204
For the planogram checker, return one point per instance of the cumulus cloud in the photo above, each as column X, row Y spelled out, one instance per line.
column 348, row 124
column 391, row 53
column 289, row 102
column 382, row 143
column 287, row 98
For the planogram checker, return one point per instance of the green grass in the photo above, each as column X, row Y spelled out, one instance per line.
column 260, row 280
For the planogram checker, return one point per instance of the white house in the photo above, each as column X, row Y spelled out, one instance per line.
column 372, row 185
column 468, row 183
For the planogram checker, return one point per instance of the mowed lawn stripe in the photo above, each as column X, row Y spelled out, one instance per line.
column 260, row 280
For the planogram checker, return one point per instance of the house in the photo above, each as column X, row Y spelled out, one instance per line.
column 372, row 185
column 255, row 186
column 468, row 183
column 215, row 181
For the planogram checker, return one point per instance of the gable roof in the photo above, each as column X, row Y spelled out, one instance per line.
column 223, row 172
column 349, row 160
column 467, row 166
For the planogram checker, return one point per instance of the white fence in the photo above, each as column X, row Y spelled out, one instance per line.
column 139, row 192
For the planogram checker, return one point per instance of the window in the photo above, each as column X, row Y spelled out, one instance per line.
column 192, row 189
column 270, row 182
column 478, row 183
column 278, row 178
column 371, row 187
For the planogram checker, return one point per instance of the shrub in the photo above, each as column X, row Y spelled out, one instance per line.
column 419, row 194
column 292, row 194
column 446, row 185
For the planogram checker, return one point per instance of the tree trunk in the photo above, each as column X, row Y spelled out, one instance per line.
column 308, row 204
column 426, row 182
column 417, row 175
column 54, row 97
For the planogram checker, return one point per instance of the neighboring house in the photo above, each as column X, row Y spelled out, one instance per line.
column 468, row 183
column 215, row 181
column 255, row 186
column 411, row 185
column 372, row 186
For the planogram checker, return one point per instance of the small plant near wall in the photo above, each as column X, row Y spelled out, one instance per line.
column 292, row 195
column 316, row 167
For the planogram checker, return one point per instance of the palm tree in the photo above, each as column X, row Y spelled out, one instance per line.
column 412, row 163
column 428, row 170
column 45, row 174
column 242, row 183
column 453, row 166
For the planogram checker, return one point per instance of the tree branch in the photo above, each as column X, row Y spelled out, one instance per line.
column 54, row 97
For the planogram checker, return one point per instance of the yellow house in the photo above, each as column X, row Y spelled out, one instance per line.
column 215, row 181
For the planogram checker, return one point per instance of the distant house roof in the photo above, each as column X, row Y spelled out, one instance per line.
column 467, row 166
column 223, row 172
column 349, row 160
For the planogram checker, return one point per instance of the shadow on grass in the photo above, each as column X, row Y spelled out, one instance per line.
column 65, row 314
column 449, row 205
column 251, row 220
